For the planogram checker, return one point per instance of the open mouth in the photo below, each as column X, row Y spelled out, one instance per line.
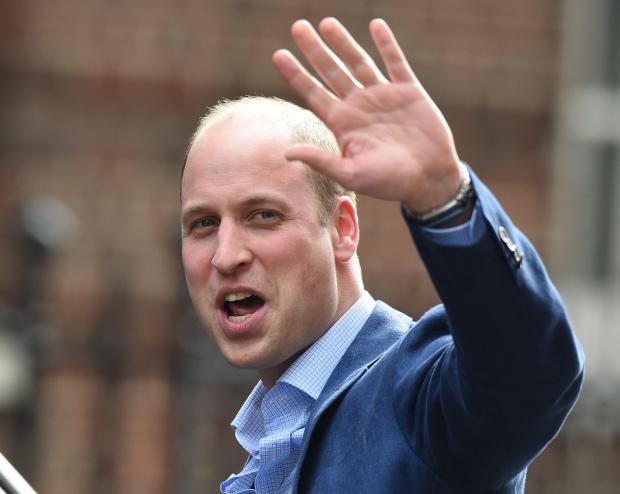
column 241, row 305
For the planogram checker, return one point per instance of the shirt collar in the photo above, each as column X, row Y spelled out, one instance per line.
column 310, row 372
column 312, row 369
column 248, row 424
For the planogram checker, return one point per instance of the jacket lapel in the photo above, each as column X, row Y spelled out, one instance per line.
column 384, row 327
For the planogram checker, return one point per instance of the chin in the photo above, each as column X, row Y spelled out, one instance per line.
column 245, row 362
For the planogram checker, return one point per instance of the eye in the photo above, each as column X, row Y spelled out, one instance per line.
column 206, row 222
column 203, row 224
column 265, row 216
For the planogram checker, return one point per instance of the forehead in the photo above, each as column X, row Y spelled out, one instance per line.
column 233, row 159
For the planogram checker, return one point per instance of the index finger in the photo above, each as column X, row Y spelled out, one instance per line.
column 307, row 87
column 328, row 66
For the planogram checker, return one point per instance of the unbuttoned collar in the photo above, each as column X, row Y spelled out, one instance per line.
column 308, row 373
column 312, row 369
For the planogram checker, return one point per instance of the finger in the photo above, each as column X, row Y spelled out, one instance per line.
column 322, row 160
column 319, row 55
column 352, row 54
column 307, row 87
column 393, row 57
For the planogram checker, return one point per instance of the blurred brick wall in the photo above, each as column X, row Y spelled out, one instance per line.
column 98, row 101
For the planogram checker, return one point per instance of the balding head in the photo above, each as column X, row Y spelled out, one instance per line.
column 301, row 125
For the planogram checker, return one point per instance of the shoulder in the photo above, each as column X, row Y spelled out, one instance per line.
column 409, row 348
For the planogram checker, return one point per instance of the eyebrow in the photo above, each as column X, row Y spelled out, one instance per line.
column 252, row 201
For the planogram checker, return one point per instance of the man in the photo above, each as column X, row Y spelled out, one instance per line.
column 353, row 396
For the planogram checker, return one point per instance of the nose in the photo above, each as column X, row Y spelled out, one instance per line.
column 231, row 250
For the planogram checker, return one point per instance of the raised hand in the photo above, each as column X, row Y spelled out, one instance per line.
column 395, row 142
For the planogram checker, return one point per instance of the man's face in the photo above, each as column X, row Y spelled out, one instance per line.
column 260, row 267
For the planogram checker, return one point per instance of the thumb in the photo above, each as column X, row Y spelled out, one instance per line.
column 322, row 160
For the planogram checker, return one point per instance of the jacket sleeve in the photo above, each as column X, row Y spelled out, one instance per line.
column 499, row 389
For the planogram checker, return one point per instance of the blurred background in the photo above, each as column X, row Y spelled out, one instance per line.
column 107, row 382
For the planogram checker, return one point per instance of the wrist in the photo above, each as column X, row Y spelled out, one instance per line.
column 455, row 211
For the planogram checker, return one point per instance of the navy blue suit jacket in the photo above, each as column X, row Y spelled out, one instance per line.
column 464, row 399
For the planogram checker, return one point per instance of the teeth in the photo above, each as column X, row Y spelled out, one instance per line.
column 232, row 297
column 238, row 318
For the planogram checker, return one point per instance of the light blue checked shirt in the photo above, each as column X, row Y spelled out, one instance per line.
column 270, row 424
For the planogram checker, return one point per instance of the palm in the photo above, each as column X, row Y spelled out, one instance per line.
column 388, row 134
column 395, row 143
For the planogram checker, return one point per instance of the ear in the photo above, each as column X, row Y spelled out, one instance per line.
column 345, row 233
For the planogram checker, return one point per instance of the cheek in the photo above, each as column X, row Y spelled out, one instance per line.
column 311, row 270
column 305, row 254
column 196, row 263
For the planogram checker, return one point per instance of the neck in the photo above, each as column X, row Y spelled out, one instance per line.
column 355, row 289
column 269, row 376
